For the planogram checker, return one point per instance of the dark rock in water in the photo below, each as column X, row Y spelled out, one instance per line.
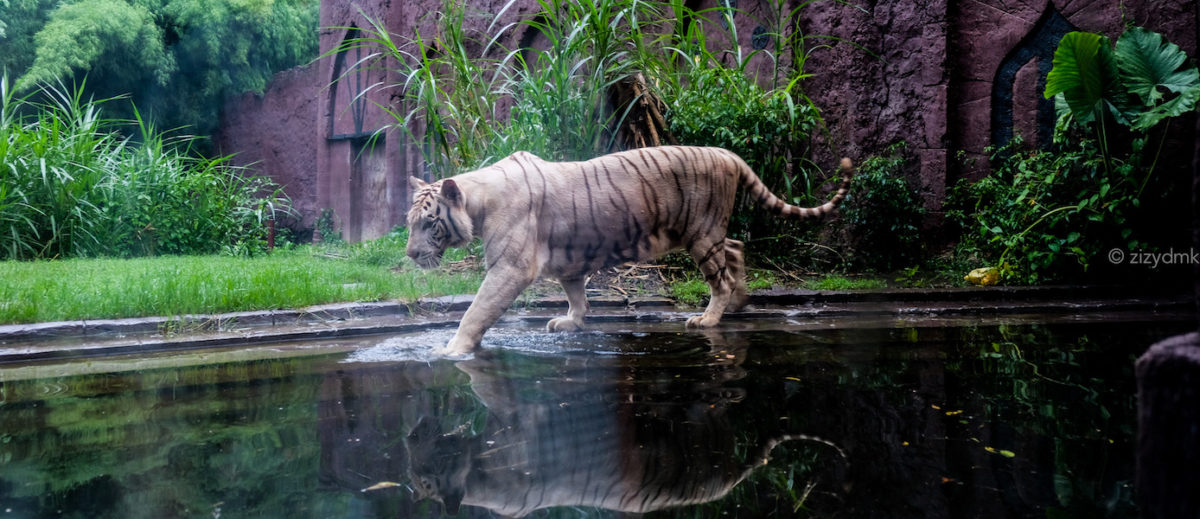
column 1168, row 466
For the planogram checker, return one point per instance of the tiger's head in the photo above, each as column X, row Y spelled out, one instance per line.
column 439, row 463
column 438, row 220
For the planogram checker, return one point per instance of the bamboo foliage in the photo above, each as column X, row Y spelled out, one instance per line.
column 72, row 185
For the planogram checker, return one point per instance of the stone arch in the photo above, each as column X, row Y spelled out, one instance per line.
column 1038, row 44
column 347, row 83
column 364, row 184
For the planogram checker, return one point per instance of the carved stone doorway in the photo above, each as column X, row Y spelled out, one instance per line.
column 370, row 200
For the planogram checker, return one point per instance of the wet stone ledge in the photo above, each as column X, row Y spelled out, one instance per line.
column 36, row 341
column 197, row 323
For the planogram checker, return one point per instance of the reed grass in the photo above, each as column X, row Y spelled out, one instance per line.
column 75, row 184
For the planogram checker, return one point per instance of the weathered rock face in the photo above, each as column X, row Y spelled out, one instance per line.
column 898, row 94
column 1003, row 50
column 943, row 75
column 273, row 134
column 959, row 76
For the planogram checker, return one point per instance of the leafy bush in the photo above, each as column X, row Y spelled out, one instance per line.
column 724, row 108
column 710, row 103
column 325, row 229
column 883, row 214
column 1142, row 82
column 70, row 186
column 1050, row 216
column 48, row 176
column 477, row 109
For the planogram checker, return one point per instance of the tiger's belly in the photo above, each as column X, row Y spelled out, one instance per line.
column 577, row 259
column 592, row 235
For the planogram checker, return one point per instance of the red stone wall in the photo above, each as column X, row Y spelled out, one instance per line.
column 930, row 81
column 364, row 170
column 272, row 134
column 986, row 32
column 893, row 88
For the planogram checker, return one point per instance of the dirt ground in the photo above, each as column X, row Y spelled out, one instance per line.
column 640, row 279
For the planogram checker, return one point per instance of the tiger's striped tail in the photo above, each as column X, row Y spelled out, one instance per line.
column 764, row 454
column 767, row 200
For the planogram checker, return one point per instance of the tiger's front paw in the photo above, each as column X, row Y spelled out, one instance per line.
column 457, row 347
column 703, row 321
column 564, row 324
column 737, row 302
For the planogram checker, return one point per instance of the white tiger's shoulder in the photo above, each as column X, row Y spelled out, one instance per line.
column 522, row 155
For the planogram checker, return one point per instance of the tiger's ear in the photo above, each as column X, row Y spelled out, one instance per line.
column 450, row 191
column 416, row 183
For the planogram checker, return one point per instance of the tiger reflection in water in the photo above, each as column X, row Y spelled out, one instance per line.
column 633, row 442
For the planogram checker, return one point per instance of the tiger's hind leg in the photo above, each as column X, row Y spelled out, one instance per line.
column 735, row 263
column 577, row 307
column 710, row 256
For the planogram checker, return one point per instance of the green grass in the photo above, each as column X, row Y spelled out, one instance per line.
column 760, row 280
column 175, row 285
column 693, row 291
column 842, row 283
column 690, row 291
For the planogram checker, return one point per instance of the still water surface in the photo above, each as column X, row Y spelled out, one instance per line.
column 996, row 420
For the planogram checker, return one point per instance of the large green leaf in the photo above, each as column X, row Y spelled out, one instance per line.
column 1153, row 69
column 1085, row 72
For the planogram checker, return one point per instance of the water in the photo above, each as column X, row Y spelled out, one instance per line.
column 992, row 420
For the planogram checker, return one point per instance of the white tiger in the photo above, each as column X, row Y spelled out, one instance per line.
column 567, row 220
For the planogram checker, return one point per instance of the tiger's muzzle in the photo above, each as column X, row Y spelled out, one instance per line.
column 425, row 259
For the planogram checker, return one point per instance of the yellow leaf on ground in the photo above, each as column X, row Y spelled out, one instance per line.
column 381, row 485
column 1003, row 452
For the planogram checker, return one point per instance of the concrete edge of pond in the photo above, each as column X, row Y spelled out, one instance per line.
column 89, row 338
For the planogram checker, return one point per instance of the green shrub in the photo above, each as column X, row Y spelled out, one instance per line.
column 556, row 96
column 883, row 214
column 325, row 229
column 711, row 101
column 1045, row 216
column 1141, row 82
column 159, row 200
column 1053, row 215
column 71, row 185
column 50, row 164
column 724, row 108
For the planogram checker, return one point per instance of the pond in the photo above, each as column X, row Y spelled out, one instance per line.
column 849, row 418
